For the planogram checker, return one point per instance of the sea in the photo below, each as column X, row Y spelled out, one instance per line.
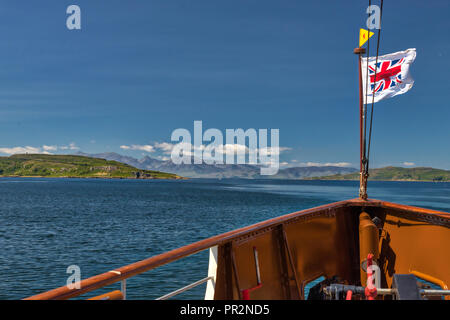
column 49, row 224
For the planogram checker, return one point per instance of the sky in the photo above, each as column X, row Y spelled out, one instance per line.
column 138, row 70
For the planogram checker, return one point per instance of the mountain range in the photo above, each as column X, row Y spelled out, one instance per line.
column 220, row 171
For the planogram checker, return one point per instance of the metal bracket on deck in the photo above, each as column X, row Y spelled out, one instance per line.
column 246, row 292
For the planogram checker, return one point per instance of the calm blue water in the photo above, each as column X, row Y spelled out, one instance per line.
column 48, row 224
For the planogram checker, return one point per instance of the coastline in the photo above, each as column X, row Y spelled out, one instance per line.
column 186, row 178
column 97, row 177
column 74, row 166
column 400, row 180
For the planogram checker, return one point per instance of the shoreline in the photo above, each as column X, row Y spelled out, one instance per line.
column 106, row 178
column 186, row 178
column 404, row 180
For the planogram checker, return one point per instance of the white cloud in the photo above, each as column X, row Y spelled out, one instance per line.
column 71, row 146
column 30, row 150
column 406, row 163
column 146, row 148
column 49, row 148
column 45, row 149
column 233, row 149
column 284, row 164
column 167, row 148
column 20, row 150
column 318, row 164
column 224, row 149
column 273, row 150
column 164, row 146
column 190, row 150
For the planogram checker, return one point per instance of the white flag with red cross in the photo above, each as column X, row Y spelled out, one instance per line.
column 387, row 77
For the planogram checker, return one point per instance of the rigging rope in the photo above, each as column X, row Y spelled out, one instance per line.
column 364, row 159
column 366, row 169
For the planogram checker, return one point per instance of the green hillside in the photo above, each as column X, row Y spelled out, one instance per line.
column 397, row 174
column 54, row 166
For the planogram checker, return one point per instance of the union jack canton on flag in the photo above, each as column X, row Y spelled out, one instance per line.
column 392, row 75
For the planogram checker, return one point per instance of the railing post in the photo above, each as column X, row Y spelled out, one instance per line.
column 212, row 273
column 123, row 288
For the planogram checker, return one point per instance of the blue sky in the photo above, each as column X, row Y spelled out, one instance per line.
column 140, row 69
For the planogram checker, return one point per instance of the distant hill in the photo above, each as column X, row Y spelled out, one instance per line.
column 219, row 171
column 73, row 166
column 313, row 171
column 397, row 174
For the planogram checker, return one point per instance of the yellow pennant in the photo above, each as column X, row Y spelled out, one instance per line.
column 364, row 35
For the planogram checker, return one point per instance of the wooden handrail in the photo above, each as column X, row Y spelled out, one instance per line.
column 113, row 295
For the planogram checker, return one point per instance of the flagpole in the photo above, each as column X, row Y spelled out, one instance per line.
column 363, row 176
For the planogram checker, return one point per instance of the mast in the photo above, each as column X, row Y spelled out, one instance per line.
column 362, row 145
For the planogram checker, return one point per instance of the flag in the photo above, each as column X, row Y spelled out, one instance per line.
column 392, row 75
column 364, row 35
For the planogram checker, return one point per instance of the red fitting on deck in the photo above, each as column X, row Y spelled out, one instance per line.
column 246, row 292
column 349, row 295
column 370, row 291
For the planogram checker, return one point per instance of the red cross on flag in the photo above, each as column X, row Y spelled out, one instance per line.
column 389, row 77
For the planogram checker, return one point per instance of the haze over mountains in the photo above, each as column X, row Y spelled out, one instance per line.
column 245, row 171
